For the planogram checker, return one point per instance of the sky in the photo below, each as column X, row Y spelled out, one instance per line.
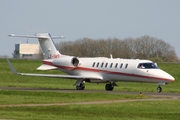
column 76, row 19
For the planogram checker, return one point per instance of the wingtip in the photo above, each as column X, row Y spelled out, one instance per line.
column 13, row 70
column 11, row 35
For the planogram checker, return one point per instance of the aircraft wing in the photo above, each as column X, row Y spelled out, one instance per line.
column 13, row 70
column 60, row 76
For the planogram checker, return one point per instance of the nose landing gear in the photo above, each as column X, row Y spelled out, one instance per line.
column 159, row 89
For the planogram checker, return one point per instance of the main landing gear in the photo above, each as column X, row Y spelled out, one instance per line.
column 110, row 86
column 80, row 85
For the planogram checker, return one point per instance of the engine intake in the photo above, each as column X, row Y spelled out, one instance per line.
column 75, row 61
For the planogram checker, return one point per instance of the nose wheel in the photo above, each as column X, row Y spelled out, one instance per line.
column 159, row 89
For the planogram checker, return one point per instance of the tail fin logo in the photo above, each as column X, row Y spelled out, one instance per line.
column 51, row 56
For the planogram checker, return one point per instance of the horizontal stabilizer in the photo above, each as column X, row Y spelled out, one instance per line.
column 36, row 36
column 46, row 67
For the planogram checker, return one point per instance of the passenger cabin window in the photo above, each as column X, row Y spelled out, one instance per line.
column 126, row 66
column 121, row 65
column 116, row 65
column 106, row 65
column 102, row 64
column 97, row 65
column 93, row 64
column 111, row 65
column 147, row 66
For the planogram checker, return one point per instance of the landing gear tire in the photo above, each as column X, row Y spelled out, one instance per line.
column 159, row 89
column 109, row 87
column 81, row 86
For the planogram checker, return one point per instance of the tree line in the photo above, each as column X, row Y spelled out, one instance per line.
column 144, row 47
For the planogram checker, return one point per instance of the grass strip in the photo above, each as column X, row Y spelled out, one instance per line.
column 139, row 110
column 39, row 97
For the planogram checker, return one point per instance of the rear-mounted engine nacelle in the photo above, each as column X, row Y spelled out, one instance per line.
column 67, row 61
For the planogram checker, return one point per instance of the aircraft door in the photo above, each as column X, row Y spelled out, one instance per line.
column 148, row 72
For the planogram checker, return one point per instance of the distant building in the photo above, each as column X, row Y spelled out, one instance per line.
column 28, row 51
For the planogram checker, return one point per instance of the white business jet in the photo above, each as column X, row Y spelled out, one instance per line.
column 96, row 69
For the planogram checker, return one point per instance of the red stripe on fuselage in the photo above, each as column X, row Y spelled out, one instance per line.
column 104, row 71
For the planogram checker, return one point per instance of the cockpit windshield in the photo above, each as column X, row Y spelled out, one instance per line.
column 147, row 66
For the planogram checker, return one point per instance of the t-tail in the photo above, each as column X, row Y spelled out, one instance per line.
column 47, row 46
column 46, row 43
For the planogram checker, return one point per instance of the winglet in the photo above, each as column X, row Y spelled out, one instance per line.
column 13, row 70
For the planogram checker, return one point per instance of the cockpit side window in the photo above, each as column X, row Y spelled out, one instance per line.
column 147, row 66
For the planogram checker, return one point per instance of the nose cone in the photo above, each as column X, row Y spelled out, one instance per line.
column 163, row 76
column 168, row 77
column 171, row 78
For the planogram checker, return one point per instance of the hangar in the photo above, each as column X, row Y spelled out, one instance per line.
column 27, row 51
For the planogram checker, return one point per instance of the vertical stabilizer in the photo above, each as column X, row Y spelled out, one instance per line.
column 47, row 46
